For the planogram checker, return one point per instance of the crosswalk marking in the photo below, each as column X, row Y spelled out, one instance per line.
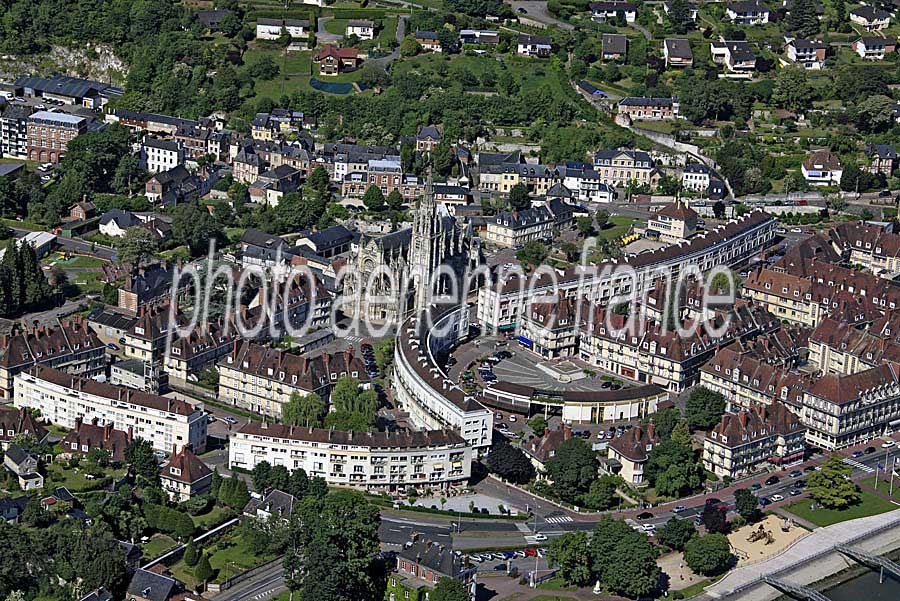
column 859, row 465
column 558, row 519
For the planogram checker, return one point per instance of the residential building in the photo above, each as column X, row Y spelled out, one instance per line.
column 883, row 159
column 272, row 185
column 873, row 19
column 541, row 449
column 614, row 47
column 841, row 348
column 14, row 130
column 620, row 167
column 262, row 380
column 275, row 505
column 364, row 29
column 550, row 328
column 745, row 442
column 18, row 422
column 429, row 41
column 24, row 466
column 427, row 138
column 180, row 185
column 691, row 7
column 512, row 228
column 62, row 398
column 270, row 29
column 12, row 507
column 160, row 155
column 868, row 245
column 212, row 19
column 150, row 586
column 810, row 54
column 874, row 47
column 71, row 347
column 333, row 60
column 145, row 288
column 749, row 12
column 101, row 594
column 327, row 243
column 479, row 36
column 822, row 168
column 140, row 375
column 696, row 177
column 421, row 563
column 677, row 52
column 391, row 461
column 640, row 107
column 185, row 476
column 737, row 56
column 845, row 410
column 673, row 223
column 49, row 134
column 82, row 211
column 86, row 436
column 627, row 454
column 602, row 12
column 582, row 182
column 534, row 46
column 746, row 380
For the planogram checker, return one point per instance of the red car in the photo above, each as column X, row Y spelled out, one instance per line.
column 530, row 552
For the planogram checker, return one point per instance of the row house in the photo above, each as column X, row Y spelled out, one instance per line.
column 160, row 155
column 746, row 380
column 620, row 167
column 601, row 12
column 200, row 141
column 696, row 177
column 810, row 54
column 15, row 423
column 62, row 399
column 71, row 347
column 845, row 410
column 514, row 228
column 272, row 185
column 653, row 109
column 583, row 183
column 841, row 348
column 736, row 55
column 502, row 299
column 275, row 124
column 187, row 355
column 90, row 435
column 657, row 355
column 869, row 246
column 549, row 328
column 372, row 461
column 149, row 123
column 874, row 47
column 262, row 379
column 747, row 441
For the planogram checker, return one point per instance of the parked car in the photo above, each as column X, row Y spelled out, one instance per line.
column 796, row 474
column 540, row 538
column 529, row 552
column 809, row 468
column 698, row 522
column 776, row 498
column 764, row 501
column 869, row 450
column 229, row 420
column 856, row 454
column 112, row 346
column 648, row 527
column 646, row 515
column 678, row 509
column 795, row 492
column 772, row 480
column 755, row 486
column 887, row 444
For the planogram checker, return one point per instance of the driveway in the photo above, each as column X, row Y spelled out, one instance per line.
column 385, row 61
column 323, row 36
column 537, row 10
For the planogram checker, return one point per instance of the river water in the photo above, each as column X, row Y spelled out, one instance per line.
column 866, row 588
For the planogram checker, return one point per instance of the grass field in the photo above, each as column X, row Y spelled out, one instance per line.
column 73, row 262
column 884, row 485
column 210, row 519
column 336, row 26
column 157, row 545
column 76, row 481
column 617, row 227
column 869, row 505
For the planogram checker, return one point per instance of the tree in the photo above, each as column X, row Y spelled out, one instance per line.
column 373, row 198
column 569, row 553
column 602, row 218
column 195, row 228
column 141, row 460
column 572, row 469
column 129, row 177
column 304, row 410
column 233, row 493
column 585, row 225
column 533, row 253
column 518, row 197
column 679, row 479
column 442, row 158
column 395, row 200
column 318, row 179
column 708, row 555
column 331, row 542
column 299, row 484
column 704, row 408
column 664, row 455
column 260, row 474
column 409, row 46
column 714, row 519
column 602, row 493
column 622, row 559
column 875, row 114
column 191, row 556
column 747, row 504
column 203, row 571
column 719, row 209
column 680, row 16
column 792, row 90
column 676, row 533
column 802, row 19
column 136, row 246
column 664, row 421
column 510, row 463
column 830, row 486
column 449, row 589
column 538, row 425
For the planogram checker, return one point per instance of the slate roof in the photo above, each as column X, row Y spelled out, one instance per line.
column 645, row 101
column 870, row 13
column 614, row 43
column 679, row 48
column 379, row 440
column 150, row 585
column 434, row 556
column 632, row 444
column 535, row 40
column 276, row 502
column 756, row 423
column 429, row 132
column 124, row 219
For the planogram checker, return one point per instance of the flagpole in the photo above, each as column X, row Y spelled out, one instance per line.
column 891, row 493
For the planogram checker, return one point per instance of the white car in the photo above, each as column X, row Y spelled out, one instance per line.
column 540, row 537
column 887, row 444
column 648, row 527
column 776, row 498
column 512, row 418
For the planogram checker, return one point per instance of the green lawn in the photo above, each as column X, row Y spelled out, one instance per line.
column 869, row 505
column 336, row 26
column 884, row 485
column 74, row 262
column 617, row 227
column 230, row 556
column 88, row 281
column 556, row 584
column 157, row 545
column 74, row 479
column 23, row 225
column 210, row 519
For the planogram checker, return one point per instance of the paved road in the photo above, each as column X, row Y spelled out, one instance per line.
column 76, row 245
column 263, row 585
column 385, row 61
column 537, row 10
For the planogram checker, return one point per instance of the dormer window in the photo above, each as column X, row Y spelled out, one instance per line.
column 175, row 471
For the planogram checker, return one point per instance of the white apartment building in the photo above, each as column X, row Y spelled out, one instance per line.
column 161, row 155
column 62, row 398
column 371, row 461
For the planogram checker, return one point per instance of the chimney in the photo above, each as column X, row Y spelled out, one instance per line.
column 107, row 430
column 130, row 436
column 77, row 422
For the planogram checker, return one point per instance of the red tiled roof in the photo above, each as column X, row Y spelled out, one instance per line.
column 189, row 468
